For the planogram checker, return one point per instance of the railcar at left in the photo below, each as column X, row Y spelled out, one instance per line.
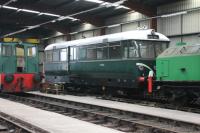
column 19, row 67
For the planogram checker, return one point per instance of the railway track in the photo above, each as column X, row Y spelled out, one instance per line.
column 10, row 124
column 149, row 101
column 193, row 108
column 122, row 120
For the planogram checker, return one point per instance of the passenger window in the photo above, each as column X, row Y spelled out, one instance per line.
column 6, row 50
column 125, row 45
column 92, row 53
column 20, row 51
column 56, row 56
column 133, row 49
column 115, row 50
column 63, row 55
column 32, row 51
column 146, row 49
column 49, row 56
column 102, row 51
column 82, row 53
column 160, row 47
column 73, row 53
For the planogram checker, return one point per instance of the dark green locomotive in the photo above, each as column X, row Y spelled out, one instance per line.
column 104, row 62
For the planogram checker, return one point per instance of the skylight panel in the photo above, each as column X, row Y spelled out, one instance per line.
column 96, row 1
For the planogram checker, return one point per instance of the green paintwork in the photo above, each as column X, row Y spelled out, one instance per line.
column 124, row 69
column 177, row 66
column 8, row 63
column 180, row 43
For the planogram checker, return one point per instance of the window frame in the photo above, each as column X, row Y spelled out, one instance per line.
column 109, row 46
column 91, row 47
column 56, row 50
column 12, row 50
column 66, row 54
column 102, row 46
column 47, row 54
column 35, row 51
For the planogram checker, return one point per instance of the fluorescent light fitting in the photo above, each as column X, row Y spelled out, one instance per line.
column 33, row 27
column 122, row 7
column 104, row 4
column 75, row 19
column 63, row 18
column 110, row 26
column 50, row 14
column 115, row 5
column 30, row 11
column 53, row 21
column 73, row 33
column 67, row 17
column 18, row 10
column 9, row 7
column 174, row 14
column 95, row 1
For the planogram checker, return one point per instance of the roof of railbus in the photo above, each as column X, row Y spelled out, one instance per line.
column 134, row 35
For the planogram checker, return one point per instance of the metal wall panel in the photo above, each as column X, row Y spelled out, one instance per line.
column 189, row 39
column 124, row 18
column 87, row 34
column 97, row 32
column 193, row 39
column 112, row 30
column 174, row 41
column 178, row 6
column 82, row 27
column 170, row 26
column 191, row 22
column 131, row 26
column 78, row 36
column 145, row 23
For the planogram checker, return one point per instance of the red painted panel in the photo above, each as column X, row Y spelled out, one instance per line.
column 21, row 83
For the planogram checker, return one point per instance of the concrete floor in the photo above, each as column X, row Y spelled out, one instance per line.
column 165, row 113
column 52, row 122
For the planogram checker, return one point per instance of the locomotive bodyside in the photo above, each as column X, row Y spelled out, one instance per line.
column 110, row 73
column 179, row 63
column 178, row 73
column 19, row 67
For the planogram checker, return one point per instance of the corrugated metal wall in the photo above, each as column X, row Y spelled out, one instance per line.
column 178, row 6
column 186, row 26
column 176, row 27
column 131, row 16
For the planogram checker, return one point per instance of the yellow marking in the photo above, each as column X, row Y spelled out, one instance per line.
column 28, row 40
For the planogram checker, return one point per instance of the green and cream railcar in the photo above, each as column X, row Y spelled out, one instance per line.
column 108, row 61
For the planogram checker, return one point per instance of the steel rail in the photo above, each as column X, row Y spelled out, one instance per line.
column 114, row 118
column 13, row 124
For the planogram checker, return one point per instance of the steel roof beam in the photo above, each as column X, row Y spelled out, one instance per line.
column 141, row 8
column 53, row 27
column 9, row 2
